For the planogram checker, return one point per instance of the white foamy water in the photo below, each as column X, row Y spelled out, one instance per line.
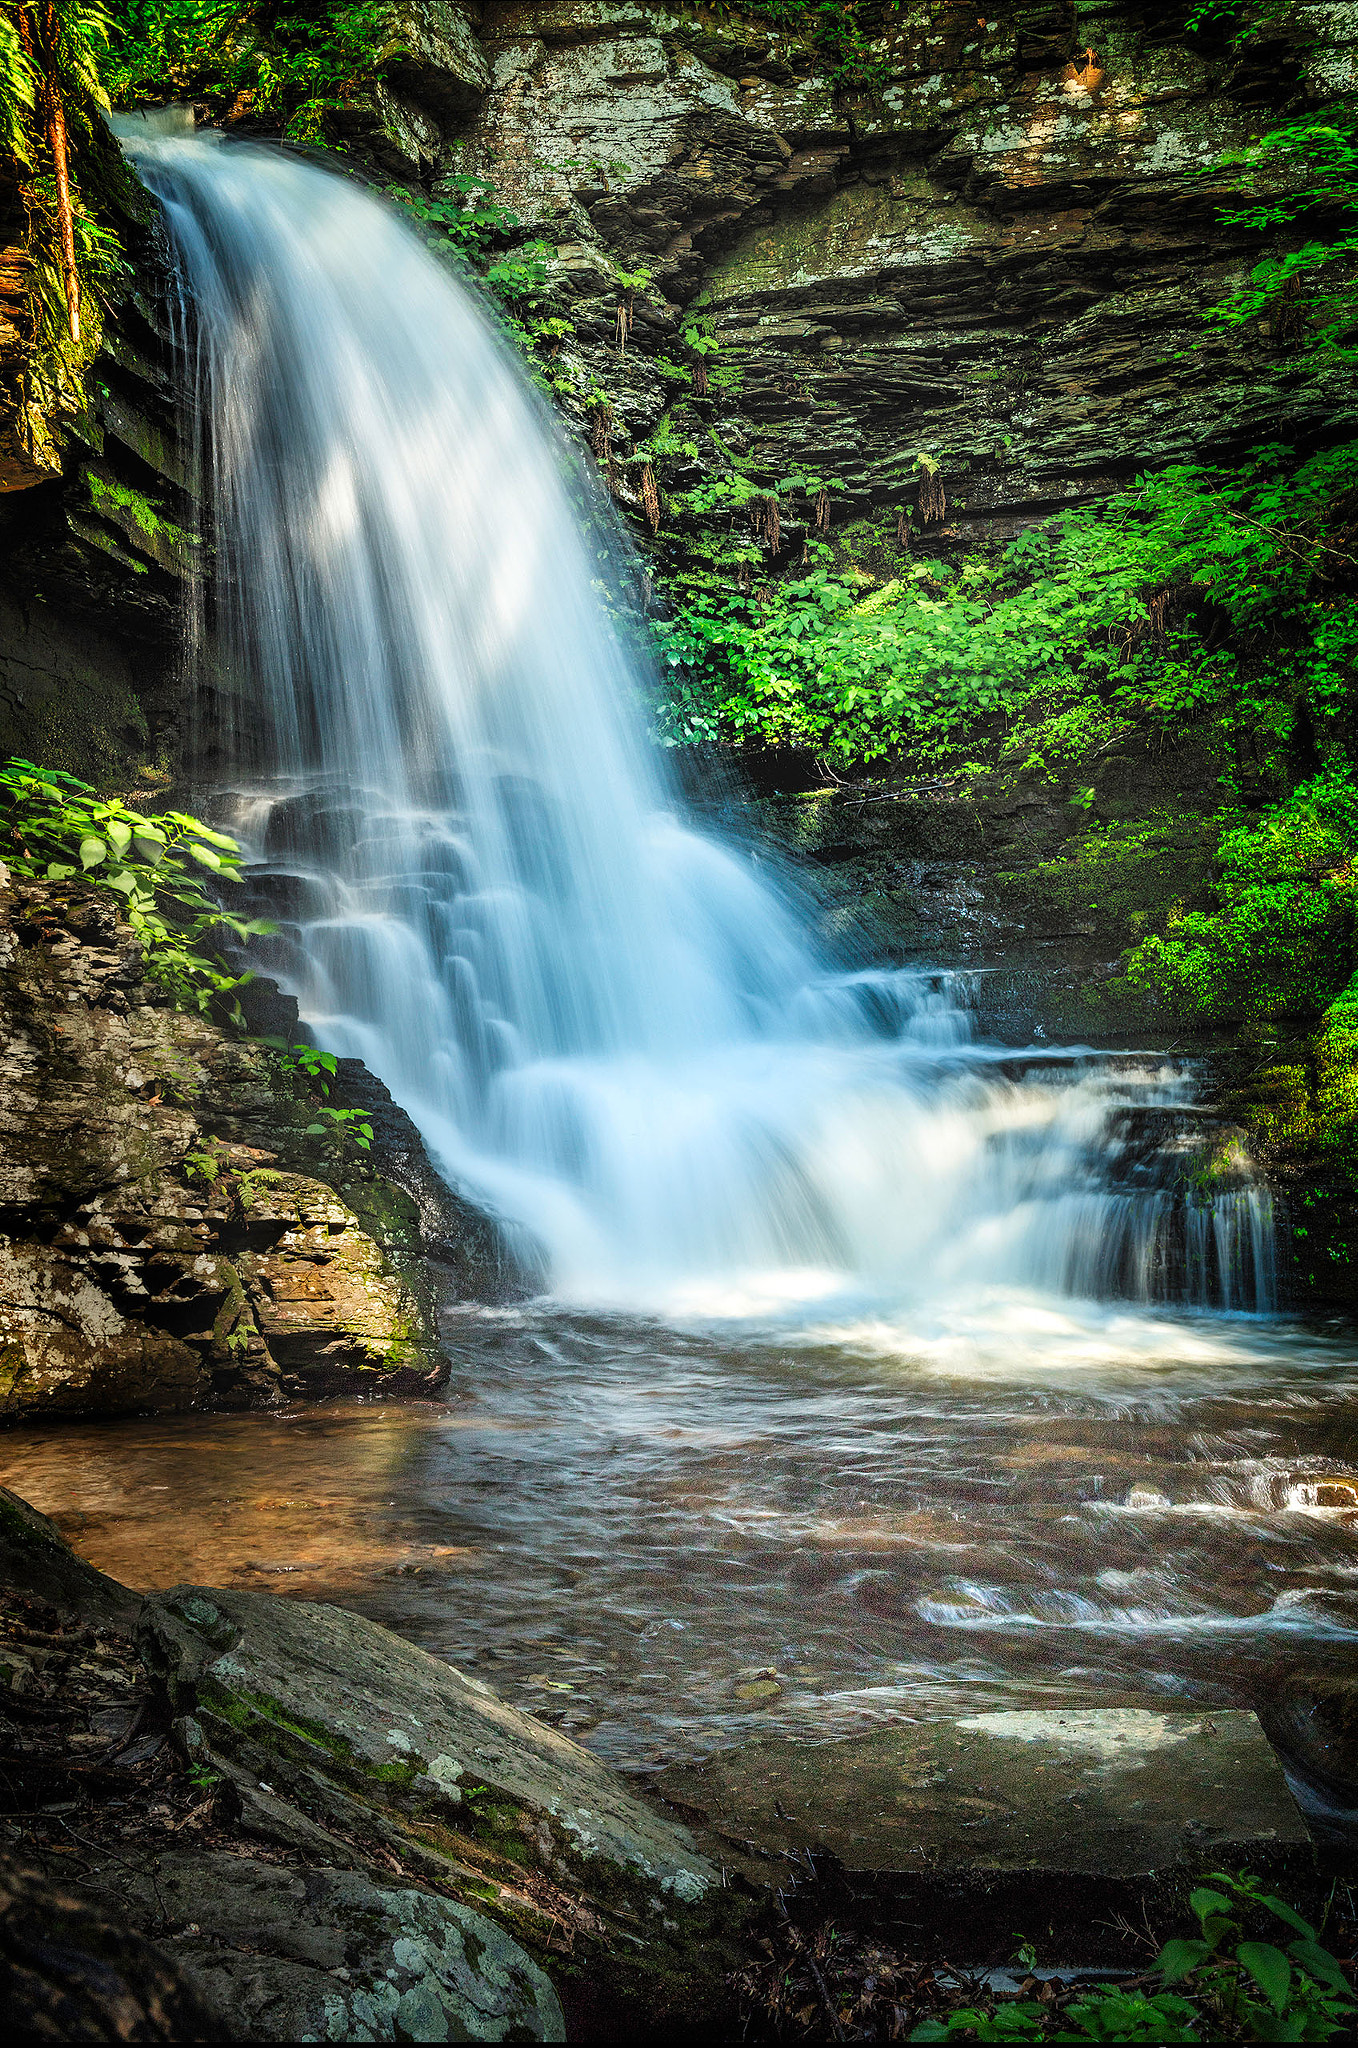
column 611, row 1028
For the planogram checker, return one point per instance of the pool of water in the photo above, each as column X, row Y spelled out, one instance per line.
column 666, row 1540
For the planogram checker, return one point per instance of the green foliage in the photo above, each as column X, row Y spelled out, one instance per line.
column 66, row 44
column 57, row 829
column 302, row 61
column 834, row 35
column 1233, row 1987
column 17, row 90
column 1304, row 176
column 1194, row 597
column 1280, row 939
column 317, row 1069
column 464, row 221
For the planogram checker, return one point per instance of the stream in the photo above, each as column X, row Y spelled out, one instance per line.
column 666, row 1540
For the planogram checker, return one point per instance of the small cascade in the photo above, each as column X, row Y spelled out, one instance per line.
column 612, row 1030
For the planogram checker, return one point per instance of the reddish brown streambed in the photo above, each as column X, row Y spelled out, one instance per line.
column 664, row 1541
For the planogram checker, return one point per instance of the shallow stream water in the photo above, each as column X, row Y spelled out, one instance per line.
column 626, row 1527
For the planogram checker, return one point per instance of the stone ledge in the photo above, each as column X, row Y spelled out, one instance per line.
column 1113, row 1792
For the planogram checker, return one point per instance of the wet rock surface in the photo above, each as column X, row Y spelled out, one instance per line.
column 212, row 1777
column 155, row 1252
column 1112, row 1792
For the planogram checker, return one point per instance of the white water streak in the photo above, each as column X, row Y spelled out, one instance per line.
column 608, row 1027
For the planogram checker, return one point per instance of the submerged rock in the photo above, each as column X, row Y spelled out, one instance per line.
column 1105, row 1793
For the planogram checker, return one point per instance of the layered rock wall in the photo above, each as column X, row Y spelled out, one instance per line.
column 159, row 1246
column 995, row 257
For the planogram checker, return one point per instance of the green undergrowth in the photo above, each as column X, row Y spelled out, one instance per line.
column 51, row 57
column 55, row 828
column 1225, row 1983
column 301, row 64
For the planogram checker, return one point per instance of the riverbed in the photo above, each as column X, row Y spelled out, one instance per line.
column 667, row 1539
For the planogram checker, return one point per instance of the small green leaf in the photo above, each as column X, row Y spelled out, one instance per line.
column 119, row 834
column 1269, row 1968
column 314, row 1131
column 57, row 871
column 121, row 881
column 205, row 854
column 92, row 851
column 1177, row 1958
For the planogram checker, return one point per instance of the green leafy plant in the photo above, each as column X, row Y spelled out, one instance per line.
column 303, row 62
column 1234, row 1986
column 318, row 1070
column 1305, row 178
column 59, row 829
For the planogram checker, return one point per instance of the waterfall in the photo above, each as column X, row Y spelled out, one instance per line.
column 611, row 1029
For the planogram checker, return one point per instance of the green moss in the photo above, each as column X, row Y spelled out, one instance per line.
column 244, row 1711
column 1118, row 876
column 111, row 498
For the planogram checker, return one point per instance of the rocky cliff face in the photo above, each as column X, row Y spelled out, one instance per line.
column 169, row 1233
column 994, row 257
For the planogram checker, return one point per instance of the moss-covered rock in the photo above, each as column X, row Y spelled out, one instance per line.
column 162, row 1244
column 336, row 1735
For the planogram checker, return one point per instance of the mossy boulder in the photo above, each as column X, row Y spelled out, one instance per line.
column 344, row 1742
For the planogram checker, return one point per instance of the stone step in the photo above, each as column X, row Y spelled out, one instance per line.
column 1107, row 1793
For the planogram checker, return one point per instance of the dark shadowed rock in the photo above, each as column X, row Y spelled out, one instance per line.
column 280, row 1953
column 71, row 1970
column 38, row 1564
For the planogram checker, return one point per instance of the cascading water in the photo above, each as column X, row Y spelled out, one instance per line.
column 609, row 1028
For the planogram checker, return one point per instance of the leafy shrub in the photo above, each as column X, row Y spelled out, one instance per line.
column 1233, row 1987
column 55, row 828
column 1282, row 940
column 1193, row 596
column 303, row 61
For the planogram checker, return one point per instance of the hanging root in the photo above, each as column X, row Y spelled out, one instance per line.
column 823, row 512
column 650, row 498
column 601, row 431
column 698, row 374
column 768, row 523
column 903, row 530
column 933, row 499
column 624, row 320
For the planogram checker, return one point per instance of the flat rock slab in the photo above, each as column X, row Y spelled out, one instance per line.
column 1114, row 1792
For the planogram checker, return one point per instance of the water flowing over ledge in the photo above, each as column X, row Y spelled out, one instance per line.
column 611, row 1029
